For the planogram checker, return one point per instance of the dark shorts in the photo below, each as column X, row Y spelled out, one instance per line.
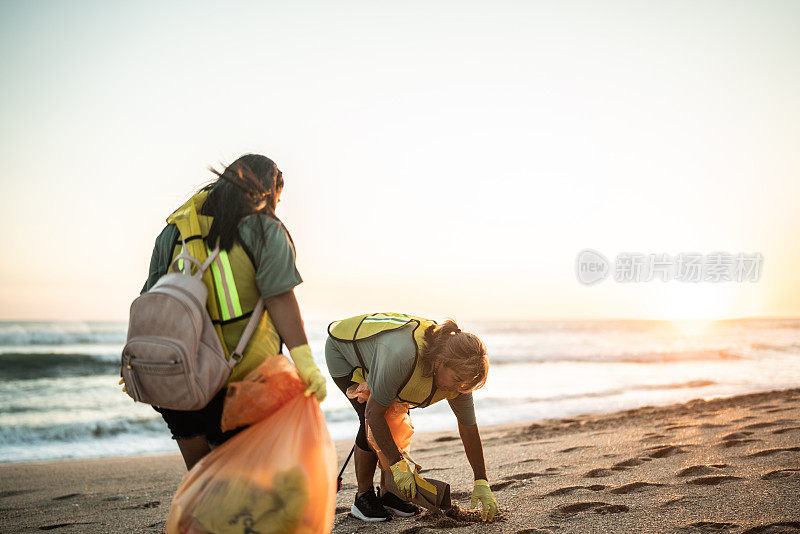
column 203, row 422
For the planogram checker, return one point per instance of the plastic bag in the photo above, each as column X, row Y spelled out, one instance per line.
column 398, row 419
column 278, row 476
column 265, row 389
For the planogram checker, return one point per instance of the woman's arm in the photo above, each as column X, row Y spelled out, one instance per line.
column 285, row 314
column 473, row 447
column 375, row 415
column 481, row 492
column 402, row 472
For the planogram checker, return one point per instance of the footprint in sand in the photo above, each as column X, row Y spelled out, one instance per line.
column 444, row 439
column 597, row 473
column 11, row 493
column 653, row 437
column 67, row 496
column 572, row 489
column 785, row 430
column 712, row 425
column 767, row 424
column 528, row 461
column 713, row 480
column 664, row 451
column 698, row 470
column 62, row 525
column 151, row 504
column 578, row 448
column 784, row 527
column 432, row 469
column 776, row 410
column 683, row 499
column 743, row 419
column 497, row 486
column 770, row 452
column 632, row 462
column 705, row 526
column 525, row 476
column 568, row 510
column 736, row 442
column 737, row 439
column 677, row 427
column 633, row 487
column 781, row 474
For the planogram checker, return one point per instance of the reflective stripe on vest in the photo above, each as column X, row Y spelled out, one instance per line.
column 227, row 296
column 381, row 318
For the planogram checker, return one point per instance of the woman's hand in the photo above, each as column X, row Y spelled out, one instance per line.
column 404, row 479
column 309, row 372
column 481, row 492
column 285, row 314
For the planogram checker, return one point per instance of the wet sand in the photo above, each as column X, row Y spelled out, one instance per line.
column 726, row 466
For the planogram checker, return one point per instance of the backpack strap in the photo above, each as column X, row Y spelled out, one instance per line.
column 186, row 266
column 183, row 262
column 248, row 331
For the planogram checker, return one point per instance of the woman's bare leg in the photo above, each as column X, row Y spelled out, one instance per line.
column 193, row 449
column 365, row 468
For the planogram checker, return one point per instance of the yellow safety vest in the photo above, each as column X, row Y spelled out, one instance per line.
column 417, row 390
column 232, row 289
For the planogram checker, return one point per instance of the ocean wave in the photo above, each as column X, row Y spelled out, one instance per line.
column 24, row 334
column 793, row 347
column 605, row 393
column 84, row 431
column 627, row 357
column 23, row 366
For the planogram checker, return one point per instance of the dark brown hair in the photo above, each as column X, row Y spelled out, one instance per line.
column 463, row 352
column 243, row 186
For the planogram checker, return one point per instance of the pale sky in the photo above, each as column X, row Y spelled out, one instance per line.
column 440, row 158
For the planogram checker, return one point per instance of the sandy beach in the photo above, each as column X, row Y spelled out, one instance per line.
column 727, row 465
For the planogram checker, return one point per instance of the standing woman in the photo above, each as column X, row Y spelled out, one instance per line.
column 256, row 261
column 416, row 362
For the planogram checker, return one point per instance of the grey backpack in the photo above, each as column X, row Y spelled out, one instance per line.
column 173, row 357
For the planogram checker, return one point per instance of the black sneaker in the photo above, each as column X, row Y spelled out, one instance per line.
column 392, row 502
column 368, row 507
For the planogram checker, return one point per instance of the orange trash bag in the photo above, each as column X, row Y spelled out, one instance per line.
column 398, row 419
column 265, row 389
column 278, row 476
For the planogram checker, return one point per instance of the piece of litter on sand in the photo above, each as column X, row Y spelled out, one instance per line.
column 465, row 515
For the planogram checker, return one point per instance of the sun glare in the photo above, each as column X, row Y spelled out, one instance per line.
column 692, row 327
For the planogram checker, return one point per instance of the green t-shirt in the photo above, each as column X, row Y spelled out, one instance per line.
column 390, row 357
column 265, row 240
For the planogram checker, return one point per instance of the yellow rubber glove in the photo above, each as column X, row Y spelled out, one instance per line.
column 309, row 372
column 481, row 492
column 404, row 479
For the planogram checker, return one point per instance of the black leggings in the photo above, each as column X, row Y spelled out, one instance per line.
column 344, row 382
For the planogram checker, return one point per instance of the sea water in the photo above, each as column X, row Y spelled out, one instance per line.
column 60, row 398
